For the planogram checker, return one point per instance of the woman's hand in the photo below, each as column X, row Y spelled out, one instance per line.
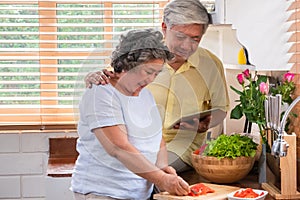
column 195, row 125
column 169, row 170
column 173, row 184
column 101, row 77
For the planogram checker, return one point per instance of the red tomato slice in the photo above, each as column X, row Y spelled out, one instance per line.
column 247, row 193
column 200, row 189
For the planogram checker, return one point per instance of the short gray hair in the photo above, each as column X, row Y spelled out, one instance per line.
column 137, row 47
column 184, row 12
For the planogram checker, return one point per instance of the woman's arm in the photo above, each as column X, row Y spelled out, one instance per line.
column 115, row 142
column 162, row 159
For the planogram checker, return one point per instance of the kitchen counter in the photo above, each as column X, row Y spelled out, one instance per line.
column 65, row 169
column 62, row 160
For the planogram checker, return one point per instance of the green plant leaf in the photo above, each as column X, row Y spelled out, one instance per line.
column 236, row 90
column 262, row 78
column 236, row 112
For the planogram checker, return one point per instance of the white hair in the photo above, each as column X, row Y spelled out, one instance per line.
column 184, row 12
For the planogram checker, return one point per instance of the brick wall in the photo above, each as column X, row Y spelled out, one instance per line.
column 23, row 166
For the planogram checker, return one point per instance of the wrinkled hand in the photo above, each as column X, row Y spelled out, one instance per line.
column 169, row 170
column 195, row 125
column 204, row 124
column 174, row 185
column 101, row 77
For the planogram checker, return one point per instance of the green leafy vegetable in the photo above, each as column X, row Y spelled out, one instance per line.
column 231, row 146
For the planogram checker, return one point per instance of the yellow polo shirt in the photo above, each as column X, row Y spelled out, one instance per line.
column 199, row 84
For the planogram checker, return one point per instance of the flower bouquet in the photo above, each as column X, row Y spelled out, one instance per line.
column 253, row 94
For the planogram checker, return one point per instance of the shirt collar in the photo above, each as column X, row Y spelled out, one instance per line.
column 185, row 67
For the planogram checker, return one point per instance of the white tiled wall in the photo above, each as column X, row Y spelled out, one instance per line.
column 23, row 166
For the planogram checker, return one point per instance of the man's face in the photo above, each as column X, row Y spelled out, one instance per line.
column 183, row 40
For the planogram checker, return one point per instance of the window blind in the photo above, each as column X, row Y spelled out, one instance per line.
column 47, row 47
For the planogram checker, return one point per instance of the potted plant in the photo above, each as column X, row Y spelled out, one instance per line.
column 227, row 159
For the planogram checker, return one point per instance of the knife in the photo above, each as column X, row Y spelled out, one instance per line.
column 279, row 99
column 266, row 104
column 272, row 109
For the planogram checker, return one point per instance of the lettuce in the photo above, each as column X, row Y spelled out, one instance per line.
column 230, row 146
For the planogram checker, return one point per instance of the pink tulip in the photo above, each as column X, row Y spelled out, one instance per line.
column 288, row 77
column 264, row 88
column 247, row 74
column 240, row 78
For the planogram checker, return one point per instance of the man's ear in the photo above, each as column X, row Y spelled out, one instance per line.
column 164, row 28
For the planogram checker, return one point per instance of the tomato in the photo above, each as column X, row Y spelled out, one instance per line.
column 197, row 151
column 200, row 189
column 247, row 193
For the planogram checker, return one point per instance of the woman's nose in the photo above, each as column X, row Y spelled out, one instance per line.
column 151, row 78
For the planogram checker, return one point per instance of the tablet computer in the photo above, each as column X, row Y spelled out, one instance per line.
column 200, row 115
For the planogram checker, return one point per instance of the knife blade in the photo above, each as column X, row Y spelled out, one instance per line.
column 279, row 99
column 266, row 105
column 272, row 113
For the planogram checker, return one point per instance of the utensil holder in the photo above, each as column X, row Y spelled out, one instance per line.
column 288, row 166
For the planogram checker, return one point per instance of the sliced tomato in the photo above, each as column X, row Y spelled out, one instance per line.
column 200, row 189
column 247, row 193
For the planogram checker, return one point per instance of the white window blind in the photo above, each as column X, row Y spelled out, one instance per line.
column 47, row 47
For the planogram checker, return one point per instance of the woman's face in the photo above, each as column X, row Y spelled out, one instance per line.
column 133, row 81
column 183, row 40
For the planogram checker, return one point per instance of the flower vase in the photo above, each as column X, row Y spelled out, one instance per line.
column 256, row 136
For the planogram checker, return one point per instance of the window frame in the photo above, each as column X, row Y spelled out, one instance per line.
column 48, row 55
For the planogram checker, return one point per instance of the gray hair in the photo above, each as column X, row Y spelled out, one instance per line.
column 184, row 12
column 137, row 47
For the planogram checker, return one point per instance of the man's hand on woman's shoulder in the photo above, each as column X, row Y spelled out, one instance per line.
column 100, row 77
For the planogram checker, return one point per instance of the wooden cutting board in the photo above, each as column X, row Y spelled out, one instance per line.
column 220, row 193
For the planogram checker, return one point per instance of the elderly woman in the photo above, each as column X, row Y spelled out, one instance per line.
column 120, row 145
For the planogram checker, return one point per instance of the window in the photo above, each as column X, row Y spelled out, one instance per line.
column 48, row 46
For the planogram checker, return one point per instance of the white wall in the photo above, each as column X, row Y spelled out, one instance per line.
column 23, row 167
column 222, row 41
column 262, row 27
